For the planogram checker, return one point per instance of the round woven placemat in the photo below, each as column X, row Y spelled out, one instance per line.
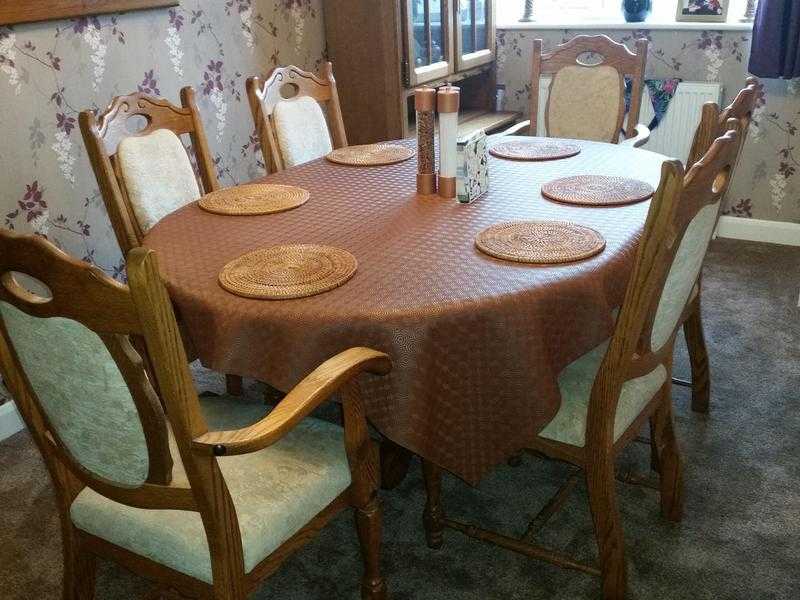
column 597, row 190
column 370, row 155
column 540, row 242
column 535, row 149
column 254, row 199
column 284, row 272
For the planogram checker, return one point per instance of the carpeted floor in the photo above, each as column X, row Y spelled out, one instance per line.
column 740, row 537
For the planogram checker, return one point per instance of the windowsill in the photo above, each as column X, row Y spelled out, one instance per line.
column 622, row 25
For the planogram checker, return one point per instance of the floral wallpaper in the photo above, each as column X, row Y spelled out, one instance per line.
column 49, row 72
column 766, row 185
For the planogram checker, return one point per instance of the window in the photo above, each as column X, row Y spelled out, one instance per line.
column 577, row 11
column 509, row 11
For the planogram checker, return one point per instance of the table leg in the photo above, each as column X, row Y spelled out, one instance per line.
column 395, row 462
column 433, row 517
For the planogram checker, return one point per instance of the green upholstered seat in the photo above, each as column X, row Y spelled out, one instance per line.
column 575, row 383
column 276, row 491
column 577, row 379
column 83, row 394
column 683, row 274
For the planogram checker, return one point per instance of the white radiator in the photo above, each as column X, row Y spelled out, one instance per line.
column 674, row 135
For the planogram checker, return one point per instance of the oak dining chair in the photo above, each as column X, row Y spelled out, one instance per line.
column 713, row 123
column 586, row 97
column 203, row 497
column 288, row 114
column 143, row 169
column 611, row 392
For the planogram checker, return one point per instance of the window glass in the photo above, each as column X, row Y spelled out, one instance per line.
column 467, row 19
column 429, row 34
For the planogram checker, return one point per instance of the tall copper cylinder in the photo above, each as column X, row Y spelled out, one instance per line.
column 425, row 105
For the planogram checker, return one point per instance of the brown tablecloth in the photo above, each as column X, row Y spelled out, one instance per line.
column 477, row 343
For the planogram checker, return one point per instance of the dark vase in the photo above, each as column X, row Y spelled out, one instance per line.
column 636, row 11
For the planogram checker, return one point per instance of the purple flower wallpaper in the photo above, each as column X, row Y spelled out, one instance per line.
column 51, row 71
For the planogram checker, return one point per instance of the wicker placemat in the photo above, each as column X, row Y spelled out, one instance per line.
column 284, row 272
column 370, row 155
column 535, row 149
column 597, row 190
column 540, row 242
column 254, row 199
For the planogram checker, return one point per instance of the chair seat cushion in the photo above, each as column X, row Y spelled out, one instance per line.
column 158, row 176
column 301, row 130
column 276, row 491
column 575, row 384
column 585, row 103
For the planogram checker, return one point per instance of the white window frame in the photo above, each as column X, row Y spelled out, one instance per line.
column 574, row 12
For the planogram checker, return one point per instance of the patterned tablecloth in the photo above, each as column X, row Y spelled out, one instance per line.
column 477, row 343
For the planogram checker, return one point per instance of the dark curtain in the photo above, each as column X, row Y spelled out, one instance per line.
column 775, row 50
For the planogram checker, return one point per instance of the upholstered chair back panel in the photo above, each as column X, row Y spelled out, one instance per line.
column 82, row 393
column 683, row 274
column 158, row 176
column 584, row 103
column 302, row 130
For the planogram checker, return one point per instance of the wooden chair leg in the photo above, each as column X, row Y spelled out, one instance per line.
column 515, row 460
column 600, row 481
column 671, row 467
column 223, row 593
column 368, row 523
column 80, row 568
column 655, row 459
column 234, row 385
column 433, row 517
column 698, row 358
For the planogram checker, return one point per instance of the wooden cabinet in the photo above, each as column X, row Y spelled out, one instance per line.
column 382, row 49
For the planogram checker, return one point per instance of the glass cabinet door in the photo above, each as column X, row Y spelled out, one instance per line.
column 429, row 41
column 475, row 33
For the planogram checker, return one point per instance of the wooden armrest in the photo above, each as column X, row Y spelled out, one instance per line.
column 515, row 128
column 640, row 139
column 510, row 131
column 316, row 388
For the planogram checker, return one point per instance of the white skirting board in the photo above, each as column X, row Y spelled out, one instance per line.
column 759, row 230
column 10, row 420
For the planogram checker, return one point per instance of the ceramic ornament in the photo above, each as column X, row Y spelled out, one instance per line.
column 472, row 171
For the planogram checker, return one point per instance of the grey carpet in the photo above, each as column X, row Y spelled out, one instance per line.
column 740, row 537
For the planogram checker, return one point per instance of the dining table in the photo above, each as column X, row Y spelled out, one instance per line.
column 477, row 343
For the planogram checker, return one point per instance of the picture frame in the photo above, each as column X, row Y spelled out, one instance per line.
column 13, row 12
column 704, row 11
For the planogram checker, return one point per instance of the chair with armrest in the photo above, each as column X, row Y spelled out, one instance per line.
column 713, row 123
column 204, row 499
column 611, row 392
column 143, row 169
column 586, row 101
column 287, row 112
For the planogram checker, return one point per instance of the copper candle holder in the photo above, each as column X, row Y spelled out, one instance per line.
column 425, row 105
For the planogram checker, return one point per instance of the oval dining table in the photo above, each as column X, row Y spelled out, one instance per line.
column 477, row 343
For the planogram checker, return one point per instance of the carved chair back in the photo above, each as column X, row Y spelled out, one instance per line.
column 67, row 358
column 145, row 121
column 289, row 121
column 713, row 122
column 679, row 227
column 586, row 100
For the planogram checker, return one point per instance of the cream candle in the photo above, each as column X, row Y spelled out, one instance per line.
column 447, row 102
